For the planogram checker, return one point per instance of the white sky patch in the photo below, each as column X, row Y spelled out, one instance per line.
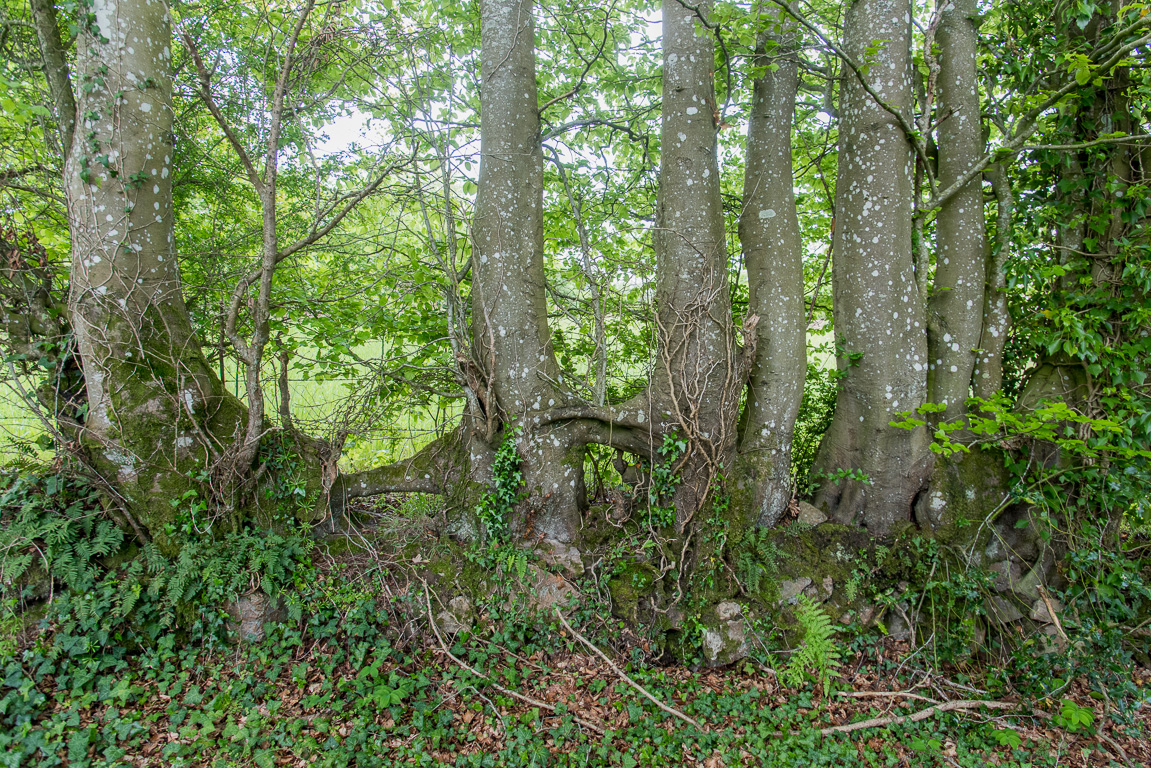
column 354, row 128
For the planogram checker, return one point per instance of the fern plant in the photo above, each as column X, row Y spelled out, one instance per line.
column 209, row 572
column 504, row 558
column 156, row 593
column 54, row 521
column 517, row 562
column 758, row 558
column 818, row 655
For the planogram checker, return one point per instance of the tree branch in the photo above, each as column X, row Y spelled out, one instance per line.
column 56, row 69
column 587, row 64
column 622, row 674
column 276, row 122
column 429, row 471
column 497, row 686
column 1027, row 124
column 1088, row 144
column 923, row 714
column 599, row 388
column 206, row 94
column 561, row 129
column 316, row 234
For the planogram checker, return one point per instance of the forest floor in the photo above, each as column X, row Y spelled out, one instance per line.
column 356, row 679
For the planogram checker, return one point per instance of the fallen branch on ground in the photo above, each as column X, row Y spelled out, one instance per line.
column 622, row 674
column 1053, row 614
column 885, row 694
column 493, row 683
column 923, row 714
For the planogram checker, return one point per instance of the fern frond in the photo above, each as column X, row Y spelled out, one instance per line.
column 819, row 654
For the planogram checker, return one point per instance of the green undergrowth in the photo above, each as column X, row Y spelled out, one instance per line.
column 342, row 683
column 135, row 659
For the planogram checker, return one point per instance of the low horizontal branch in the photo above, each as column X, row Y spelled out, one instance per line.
column 633, row 418
column 627, row 426
column 429, row 471
column 401, row 477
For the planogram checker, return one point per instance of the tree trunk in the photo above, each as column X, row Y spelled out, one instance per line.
column 156, row 410
column 955, row 308
column 987, row 377
column 879, row 314
column 967, row 307
column 697, row 379
column 773, row 253
column 511, row 338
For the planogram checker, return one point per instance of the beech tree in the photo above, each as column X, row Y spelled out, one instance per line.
column 773, row 253
column 149, row 389
column 879, row 317
column 661, row 211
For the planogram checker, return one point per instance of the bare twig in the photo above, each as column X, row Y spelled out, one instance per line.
column 622, row 674
column 1051, row 612
column 492, row 683
column 885, row 694
column 1124, row 139
column 822, row 272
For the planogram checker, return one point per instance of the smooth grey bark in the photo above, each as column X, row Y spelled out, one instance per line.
column 152, row 396
column 879, row 313
column 55, row 67
column 960, row 310
column 773, row 254
column 509, row 371
column 955, row 309
column 511, row 338
column 987, row 378
column 698, row 376
column 436, row 469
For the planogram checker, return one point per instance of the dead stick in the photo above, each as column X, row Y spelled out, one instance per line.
column 1051, row 612
column 885, row 694
column 923, row 714
column 621, row 673
column 493, row 683
column 1114, row 744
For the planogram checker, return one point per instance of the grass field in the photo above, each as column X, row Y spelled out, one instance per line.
column 316, row 408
